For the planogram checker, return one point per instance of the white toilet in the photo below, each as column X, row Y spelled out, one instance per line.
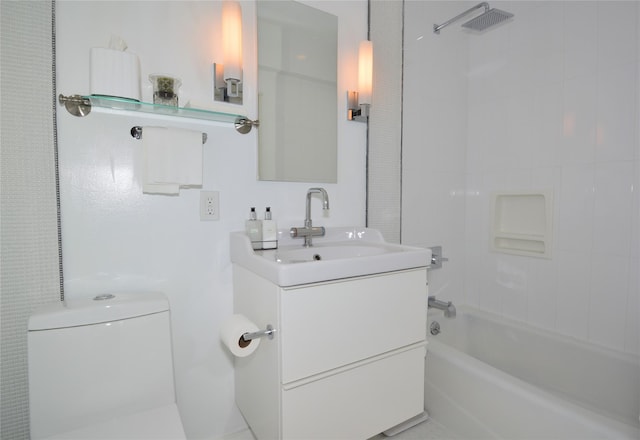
column 102, row 368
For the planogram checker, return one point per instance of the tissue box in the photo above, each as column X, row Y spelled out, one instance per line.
column 115, row 73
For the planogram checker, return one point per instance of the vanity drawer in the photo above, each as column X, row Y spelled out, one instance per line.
column 359, row 402
column 330, row 325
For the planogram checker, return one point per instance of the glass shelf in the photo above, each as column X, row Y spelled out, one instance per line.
column 80, row 105
column 168, row 110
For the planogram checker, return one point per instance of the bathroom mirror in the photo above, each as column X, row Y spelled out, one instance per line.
column 297, row 92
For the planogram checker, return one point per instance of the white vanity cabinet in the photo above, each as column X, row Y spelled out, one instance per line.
column 346, row 362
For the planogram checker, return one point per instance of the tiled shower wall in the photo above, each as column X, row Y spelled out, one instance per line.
column 30, row 271
column 385, row 123
column 546, row 101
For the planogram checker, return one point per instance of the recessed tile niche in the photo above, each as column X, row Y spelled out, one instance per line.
column 522, row 223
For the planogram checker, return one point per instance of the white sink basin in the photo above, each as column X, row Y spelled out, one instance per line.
column 328, row 251
column 341, row 253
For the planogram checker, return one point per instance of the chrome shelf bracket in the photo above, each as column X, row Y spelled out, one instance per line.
column 244, row 125
column 77, row 105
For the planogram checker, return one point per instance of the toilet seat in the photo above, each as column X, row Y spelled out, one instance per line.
column 155, row 424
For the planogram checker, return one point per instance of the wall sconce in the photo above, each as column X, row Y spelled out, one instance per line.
column 358, row 103
column 227, row 77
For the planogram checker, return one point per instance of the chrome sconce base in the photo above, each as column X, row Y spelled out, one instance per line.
column 222, row 91
column 355, row 111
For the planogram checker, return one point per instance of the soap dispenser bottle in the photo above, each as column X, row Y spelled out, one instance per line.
column 269, row 231
column 253, row 228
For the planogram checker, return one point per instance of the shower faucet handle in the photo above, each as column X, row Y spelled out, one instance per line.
column 436, row 257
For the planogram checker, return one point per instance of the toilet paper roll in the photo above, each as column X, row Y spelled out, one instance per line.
column 231, row 335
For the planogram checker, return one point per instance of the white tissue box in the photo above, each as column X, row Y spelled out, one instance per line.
column 115, row 73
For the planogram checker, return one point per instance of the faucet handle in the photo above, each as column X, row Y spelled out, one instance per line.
column 436, row 257
column 314, row 231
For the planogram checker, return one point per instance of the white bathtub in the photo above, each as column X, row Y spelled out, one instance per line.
column 487, row 377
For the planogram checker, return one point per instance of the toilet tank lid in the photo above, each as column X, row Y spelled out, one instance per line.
column 99, row 309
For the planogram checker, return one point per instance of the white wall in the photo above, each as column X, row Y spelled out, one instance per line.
column 549, row 100
column 116, row 238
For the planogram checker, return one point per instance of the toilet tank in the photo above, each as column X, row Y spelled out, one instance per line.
column 92, row 360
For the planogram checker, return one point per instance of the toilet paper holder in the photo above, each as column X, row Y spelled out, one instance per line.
column 268, row 332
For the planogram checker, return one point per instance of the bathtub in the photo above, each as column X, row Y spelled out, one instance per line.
column 488, row 377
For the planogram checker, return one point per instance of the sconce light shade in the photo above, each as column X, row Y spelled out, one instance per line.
column 358, row 103
column 365, row 72
column 232, row 40
column 227, row 76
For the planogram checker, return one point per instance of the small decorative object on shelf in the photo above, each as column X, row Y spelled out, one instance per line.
column 165, row 89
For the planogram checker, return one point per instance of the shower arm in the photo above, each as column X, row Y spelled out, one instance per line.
column 437, row 27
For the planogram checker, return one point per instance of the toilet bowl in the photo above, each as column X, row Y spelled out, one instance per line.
column 102, row 368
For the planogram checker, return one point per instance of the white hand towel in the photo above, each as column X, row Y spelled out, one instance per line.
column 172, row 159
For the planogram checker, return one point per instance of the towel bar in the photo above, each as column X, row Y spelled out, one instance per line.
column 136, row 132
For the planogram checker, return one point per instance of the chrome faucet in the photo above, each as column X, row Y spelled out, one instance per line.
column 309, row 231
column 448, row 307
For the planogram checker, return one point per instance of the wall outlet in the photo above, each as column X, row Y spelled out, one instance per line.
column 209, row 205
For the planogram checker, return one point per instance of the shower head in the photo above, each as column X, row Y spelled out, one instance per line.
column 488, row 18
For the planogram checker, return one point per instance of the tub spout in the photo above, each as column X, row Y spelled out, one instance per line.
column 448, row 307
